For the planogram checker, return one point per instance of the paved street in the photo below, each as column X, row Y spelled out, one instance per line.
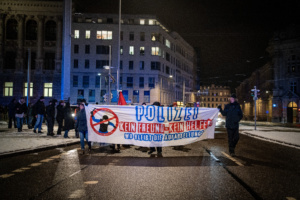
column 202, row 170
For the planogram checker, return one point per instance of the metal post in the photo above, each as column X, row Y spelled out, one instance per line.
column 99, row 87
column 255, row 107
column 28, row 76
column 109, row 75
column 118, row 64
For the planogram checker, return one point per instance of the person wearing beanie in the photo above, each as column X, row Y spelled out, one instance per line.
column 233, row 114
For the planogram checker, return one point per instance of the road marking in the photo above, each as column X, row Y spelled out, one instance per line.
column 25, row 168
column 35, row 164
column 6, row 175
column 55, row 157
column 231, row 158
column 91, row 182
column 77, row 194
column 18, row 170
column 46, row 160
column 291, row 198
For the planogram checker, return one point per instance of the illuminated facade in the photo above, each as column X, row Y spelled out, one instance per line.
column 154, row 62
column 212, row 96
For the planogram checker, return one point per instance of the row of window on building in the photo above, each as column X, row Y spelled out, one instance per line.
column 8, row 89
column 129, row 82
column 215, row 99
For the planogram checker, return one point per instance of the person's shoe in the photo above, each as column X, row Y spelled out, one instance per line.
column 40, row 132
column 82, row 152
column 19, row 130
column 34, row 131
column 66, row 137
column 139, row 148
column 159, row 154
column 151, row 151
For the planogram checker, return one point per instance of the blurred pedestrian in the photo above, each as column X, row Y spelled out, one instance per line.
column 50, row 114
column 81, row 125
column 21, row 109
column 159, row 149
column 29, row 116
column 234, row 114
column 69, row 121
column 12, row 113
column 39, row 114
column 60, row 116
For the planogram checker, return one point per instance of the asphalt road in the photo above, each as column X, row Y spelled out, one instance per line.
column 202, row 170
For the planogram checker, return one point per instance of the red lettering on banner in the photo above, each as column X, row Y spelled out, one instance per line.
column 127, row 127
column 176, row 127
column 198, row 124
column 151, row 128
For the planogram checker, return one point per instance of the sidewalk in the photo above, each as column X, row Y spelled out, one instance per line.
column 14, row 143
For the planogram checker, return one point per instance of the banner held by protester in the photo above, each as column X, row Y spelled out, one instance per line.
column 150, row 126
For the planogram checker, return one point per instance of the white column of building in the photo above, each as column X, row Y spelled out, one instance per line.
column 40, row 41
column 58, row 44
column 66, row 59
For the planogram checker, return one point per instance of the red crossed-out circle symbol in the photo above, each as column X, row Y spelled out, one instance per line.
column 115, row 117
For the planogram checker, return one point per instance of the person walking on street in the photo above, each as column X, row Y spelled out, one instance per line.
column 40, row 112
column 60, row 116
column 29, row 116
column 69, row 122
column 81, row 125
column 159, row 149
column 12, row 113
column 50, row 113
column 233, row 114
column 21, row 109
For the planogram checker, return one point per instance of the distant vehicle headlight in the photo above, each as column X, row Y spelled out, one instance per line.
column 73, row 115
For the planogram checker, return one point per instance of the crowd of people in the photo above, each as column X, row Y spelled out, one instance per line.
column 34, row 114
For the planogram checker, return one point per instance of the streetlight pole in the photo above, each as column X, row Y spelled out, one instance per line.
column 109, row 76
column 118, row 64
column 99, row 74
column 28, row 76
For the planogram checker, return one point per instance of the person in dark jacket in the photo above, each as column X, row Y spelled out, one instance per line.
column 60, row 116
column 39, row 114
column 159, row 149
column 81, row 126
column 12, row 113
column 234, row 114
column 29, row 116
column 69, row 121
column 50, row 114
column 21, row 109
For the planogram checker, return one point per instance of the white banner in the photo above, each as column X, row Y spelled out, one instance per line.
column 150, row 126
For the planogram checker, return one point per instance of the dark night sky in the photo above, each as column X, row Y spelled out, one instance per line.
column 225, row 33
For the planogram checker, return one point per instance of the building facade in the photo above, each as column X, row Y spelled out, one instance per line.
column 154, row 63
column 278, row 81
column 30, row 29
column 212, row 96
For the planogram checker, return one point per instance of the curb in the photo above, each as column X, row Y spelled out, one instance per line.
column 26, row 151
column 268, row 139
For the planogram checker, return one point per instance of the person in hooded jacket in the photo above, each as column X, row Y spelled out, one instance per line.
column 69, row 121
column 60, row 116
column 50, row 113
column 233, row 114
column 21, row 110
column 81, row 125
column 39, row 111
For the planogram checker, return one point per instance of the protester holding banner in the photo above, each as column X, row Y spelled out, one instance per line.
column 81, row 126
column 159, row 149
column 234, row 114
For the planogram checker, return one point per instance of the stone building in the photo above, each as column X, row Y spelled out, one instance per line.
column 154, row 62
column 278, row 81
column 213, row 95
column 35, row 27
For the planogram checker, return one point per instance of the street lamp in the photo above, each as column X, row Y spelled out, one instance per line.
column 171, row 77
column 99, row 74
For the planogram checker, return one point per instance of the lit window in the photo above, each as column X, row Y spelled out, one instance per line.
column 121, row 50
column 151, row 21
column 155, row 51
column 99, row 21
column 30, row 90
column 76, row 34
column 48, row 89
column 168, row 43
column 8, row 89
column 131, row 50
column 104, row 35
column 142, row 22
column 87, row 34
column 142, row 51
